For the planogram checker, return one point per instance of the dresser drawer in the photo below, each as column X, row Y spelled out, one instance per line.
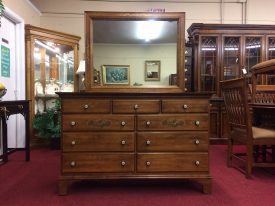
column 97, row 162
column 86, row 106
column 172, row 141
column 136, row 106
column 185, row 105
column 173, row 122
column 91, row 122
column 172, row 162
column 98, row 141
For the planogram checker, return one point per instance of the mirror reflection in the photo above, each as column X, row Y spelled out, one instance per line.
column 133, row 43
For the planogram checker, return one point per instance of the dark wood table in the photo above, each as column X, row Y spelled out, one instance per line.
column 8, row 108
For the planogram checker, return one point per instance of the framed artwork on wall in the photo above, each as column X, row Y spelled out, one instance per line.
column 116, row 74
column 152, row 70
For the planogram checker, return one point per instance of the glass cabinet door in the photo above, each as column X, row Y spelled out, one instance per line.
column 253, row 54
column 53, row 72
column 231, row 57
column 208, row 63
column 270, row 78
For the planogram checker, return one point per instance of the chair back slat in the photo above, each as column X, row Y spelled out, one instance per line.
column 236, row 104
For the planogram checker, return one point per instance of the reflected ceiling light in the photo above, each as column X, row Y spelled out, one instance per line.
column 208, row 49
column 231, row 49
column 149, row 30
column 46, row 46
column 253, row 46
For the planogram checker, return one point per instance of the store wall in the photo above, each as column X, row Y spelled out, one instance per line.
column 68, row 15
column 23, row 8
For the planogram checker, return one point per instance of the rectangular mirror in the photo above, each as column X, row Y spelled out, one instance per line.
column 131, row 38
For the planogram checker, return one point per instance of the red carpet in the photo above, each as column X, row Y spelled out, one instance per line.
column 35, row 184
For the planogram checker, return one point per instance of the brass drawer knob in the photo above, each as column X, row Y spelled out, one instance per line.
column 73, row 164
column 123, row 142
column 148, row 163
column 86, row 106
column 136, row 106
column 185, row 89
column 197, row 123
column 185, row 106
column 123, row 123
column 185, row 79
column 148, row 123
column 197, row 141
column 197, row 163
column 123, row 163
column 148, row 142
column 73, row 123
column 73, row 142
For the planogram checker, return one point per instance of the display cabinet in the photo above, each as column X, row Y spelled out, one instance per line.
column 51, row 64
column 226, row 51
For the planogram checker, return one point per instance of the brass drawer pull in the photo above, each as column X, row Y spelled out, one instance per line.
column 73, row 123
column 148, row 123
column 197, row 141
column 185, row 106
column 73, row 142
column 148, row 142
column 86, row 106
column 148, row 163
column 123, row 123
column 123, row 163
column 123, row 142
column 73, row 164
column 197, row 122
column 136, row 106
column 197, row 163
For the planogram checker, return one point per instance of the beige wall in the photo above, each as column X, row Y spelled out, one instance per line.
column 67, row 15
column 135, row 56
column 25, row 10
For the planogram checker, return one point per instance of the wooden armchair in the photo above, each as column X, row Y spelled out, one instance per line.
column 263, row 91
column 241, row 129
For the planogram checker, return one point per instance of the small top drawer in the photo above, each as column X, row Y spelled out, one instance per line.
column 86, row 106
column 185, row 105
column 136, row 106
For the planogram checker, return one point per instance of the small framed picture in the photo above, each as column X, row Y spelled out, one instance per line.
column 116, row 74
column 152, row 70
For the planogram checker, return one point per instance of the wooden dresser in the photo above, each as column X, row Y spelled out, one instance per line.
column 134, row 136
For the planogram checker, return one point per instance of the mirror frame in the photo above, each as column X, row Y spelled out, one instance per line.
column 168, row 16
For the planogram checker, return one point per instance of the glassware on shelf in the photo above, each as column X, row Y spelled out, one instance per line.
column 51, row 88
column 38, row 89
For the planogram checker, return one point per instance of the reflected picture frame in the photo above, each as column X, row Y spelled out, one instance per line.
column 152, row 70
column 116, row 74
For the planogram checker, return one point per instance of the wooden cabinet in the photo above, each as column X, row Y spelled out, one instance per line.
column 134, row 136
column 222, row 51
column 51, row 64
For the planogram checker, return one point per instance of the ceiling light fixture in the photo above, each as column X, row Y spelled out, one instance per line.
column 149, row 30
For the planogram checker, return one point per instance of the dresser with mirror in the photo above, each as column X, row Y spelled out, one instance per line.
column 134, row 125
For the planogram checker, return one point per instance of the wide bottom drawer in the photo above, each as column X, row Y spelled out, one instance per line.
column 94, row 162
column 172, row 162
